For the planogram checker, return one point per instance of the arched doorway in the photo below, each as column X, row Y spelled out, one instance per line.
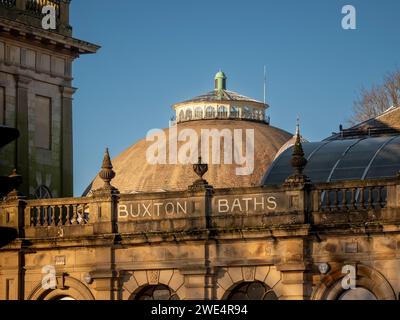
column 255, row 290
column 64, row 298
column 359, row 293
column 73, row 289
column 370, row 285
column 155, row 292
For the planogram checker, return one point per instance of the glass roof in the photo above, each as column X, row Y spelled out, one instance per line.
column 349, row 159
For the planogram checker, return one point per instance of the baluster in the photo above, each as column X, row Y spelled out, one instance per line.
column 320, row 200
column 68, row 215
column 370, row 197
column 344, row 199
column 328, row 200
column 41, row 216
column 79, row 214
column 46, row 215
column 53, row 216
column 33, row 218
column 362, row 198
column 84, row 217
column 353, row 199
column 335, row 199
column 60, row 221
column 380, row 198
column 75, row 214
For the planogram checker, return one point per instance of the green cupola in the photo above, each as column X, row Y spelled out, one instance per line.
column 220, row 81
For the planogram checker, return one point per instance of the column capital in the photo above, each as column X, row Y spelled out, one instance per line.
column 23, row 81
column 67, row 92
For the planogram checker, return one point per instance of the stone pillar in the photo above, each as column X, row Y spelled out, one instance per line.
column 296, row 281
column 12, row 275
column 12, row 215
column 64, row 12
column 103, row 209
column 66, row 142
column 199, row 279
column 295, row 269
column 199, row 283
column 22, row 124
column 105, row 278
column 12, row 227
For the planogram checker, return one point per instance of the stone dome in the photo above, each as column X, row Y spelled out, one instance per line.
column 134, row 174
column 220, row 110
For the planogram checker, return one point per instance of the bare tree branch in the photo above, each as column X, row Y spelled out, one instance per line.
column 373, row 102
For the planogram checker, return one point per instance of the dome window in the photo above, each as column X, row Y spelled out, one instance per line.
column 198, row 114
column 247, row 113
column 222, row 112
column 210, row 112
column 189, row 114
column 181, row 116
column 234, row 112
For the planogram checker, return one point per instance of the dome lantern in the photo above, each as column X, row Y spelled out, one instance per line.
column 220, row 81
column 221, row 103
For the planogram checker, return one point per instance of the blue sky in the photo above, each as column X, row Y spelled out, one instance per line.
column 156, row 53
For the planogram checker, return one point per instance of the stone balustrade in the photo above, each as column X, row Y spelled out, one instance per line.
column 57, row 212
column 30, row 12
column 220, row 210
column 35, row 6
column 360, row 195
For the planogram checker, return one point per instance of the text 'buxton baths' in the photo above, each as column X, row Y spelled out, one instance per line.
column 182, row 207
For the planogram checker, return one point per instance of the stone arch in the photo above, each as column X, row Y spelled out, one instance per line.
column 153, row 288
column 250, row 290
column 137, row 280
column 229, row 278
column 368, row 278
column 70, row 287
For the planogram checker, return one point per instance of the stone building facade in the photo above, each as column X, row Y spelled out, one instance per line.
column 293, row 229
column 287, row 241
column 36, row 95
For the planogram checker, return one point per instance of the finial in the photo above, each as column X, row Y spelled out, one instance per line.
column 298, row 161
column 298, row 126
column 15, row 181
column 200, row 169
column 107, row 173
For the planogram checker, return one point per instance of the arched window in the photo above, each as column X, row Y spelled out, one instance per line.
column 181, row 116
column 210, row 112
column 247, row 113
column 198, row 114
column 158, row 292
column 234, row 112
column 222, row 112
column 252, row 291
column 189, row 114
column 42, row 192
